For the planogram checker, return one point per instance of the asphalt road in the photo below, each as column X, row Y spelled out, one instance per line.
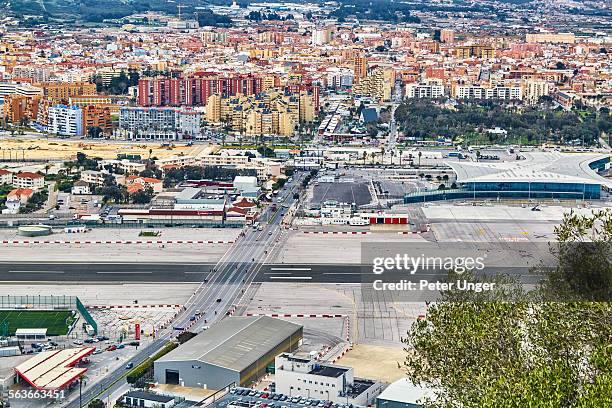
column 190, row 273
column 224, row 285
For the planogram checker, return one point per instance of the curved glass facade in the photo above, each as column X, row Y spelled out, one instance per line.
column 571, row 191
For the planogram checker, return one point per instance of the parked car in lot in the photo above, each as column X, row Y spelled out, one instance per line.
column 111, row 348
column 120, row 346
column 78, row 342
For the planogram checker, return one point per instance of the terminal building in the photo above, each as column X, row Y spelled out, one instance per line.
column 236, row 351
column 540, row 175
column 312, row 379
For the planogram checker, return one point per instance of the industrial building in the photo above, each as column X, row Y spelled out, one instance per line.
column 312, row 379
column 403, row 394
column 539, row 175
column 236, row 350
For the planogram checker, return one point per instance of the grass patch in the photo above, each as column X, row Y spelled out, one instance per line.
column 56, row 322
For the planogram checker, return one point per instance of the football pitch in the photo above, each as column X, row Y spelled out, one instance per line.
column 56, row 322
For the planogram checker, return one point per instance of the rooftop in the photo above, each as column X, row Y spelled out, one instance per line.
column 55, row 369
column 236, row 342
column 545, row 167
column 328, row 371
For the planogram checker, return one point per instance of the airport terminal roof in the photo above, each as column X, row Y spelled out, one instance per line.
column 55, row 369
column 235, row 343
column 537, row 167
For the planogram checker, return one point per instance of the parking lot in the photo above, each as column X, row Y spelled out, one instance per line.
column 248, row 398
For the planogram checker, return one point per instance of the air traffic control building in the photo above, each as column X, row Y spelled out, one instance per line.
column 236, row 350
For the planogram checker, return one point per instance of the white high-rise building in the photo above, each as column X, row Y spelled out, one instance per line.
column 65, row 120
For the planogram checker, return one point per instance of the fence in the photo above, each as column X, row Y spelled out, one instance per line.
column 27, row 302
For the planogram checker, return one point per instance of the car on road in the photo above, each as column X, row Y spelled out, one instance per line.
column 111, row 348
column 78, row 342
column 129, row 365
column 120, row 346
column 98, row 351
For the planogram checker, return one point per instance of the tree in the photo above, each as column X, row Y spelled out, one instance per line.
column 96, row 404
column 509, row 348
column 94, row 132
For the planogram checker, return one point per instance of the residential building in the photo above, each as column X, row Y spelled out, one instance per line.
column 475, row 51
column 96, row 116
column 65, row 120
column 195, row 90
column 563, row 38
column 29, row 180
column 480, row 92
column 159, row 123
column 80, row 187
column 65, row 90
column 424, row 91
column 6, row 177
column 377, row 84
column 360, row 67
column 154, row 184
column 16, row 198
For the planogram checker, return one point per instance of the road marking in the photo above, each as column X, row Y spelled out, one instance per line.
column 36, row 271
column 292, row 277
column 291, row 269
column 140, row 272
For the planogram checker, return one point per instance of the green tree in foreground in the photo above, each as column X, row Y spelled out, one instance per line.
column 551, row 348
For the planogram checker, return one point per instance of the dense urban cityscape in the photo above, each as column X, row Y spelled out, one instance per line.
column 340, row 204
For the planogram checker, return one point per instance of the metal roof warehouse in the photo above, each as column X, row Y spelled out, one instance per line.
column 236, row 350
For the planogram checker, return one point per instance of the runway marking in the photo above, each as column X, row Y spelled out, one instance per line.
column 139, row 272
column 36, row 271
column 291, row 269
column 292, row 277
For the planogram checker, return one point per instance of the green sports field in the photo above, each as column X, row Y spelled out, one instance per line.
column 56, row 322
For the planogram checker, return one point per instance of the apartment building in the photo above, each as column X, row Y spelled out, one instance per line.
column 195, row 90
column 475, row 51
column 159, row 123
column 65, row 90
column 480, row 92
column 377, row 84
column 97, row 116
column 533, row 90
column 35, row 73
column 65, row 120
column 213, row 37
column 561, row 38
column 424, row 91
column 20, row 107
column 269, row 113
column 24, row 89
column 26, row 179
column 6, row 177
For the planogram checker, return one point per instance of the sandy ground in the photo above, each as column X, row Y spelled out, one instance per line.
column 51, row 149
column 375, row 362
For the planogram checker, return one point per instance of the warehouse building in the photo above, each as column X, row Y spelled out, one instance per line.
column 236, row 350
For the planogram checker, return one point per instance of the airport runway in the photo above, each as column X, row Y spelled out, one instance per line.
column 198, row 272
